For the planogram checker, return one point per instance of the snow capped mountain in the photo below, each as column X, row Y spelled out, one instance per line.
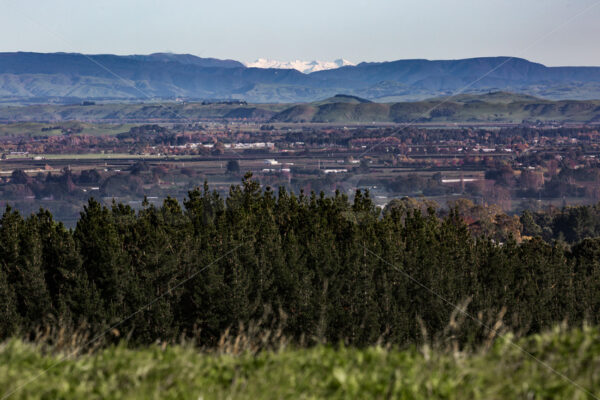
column 302, row 66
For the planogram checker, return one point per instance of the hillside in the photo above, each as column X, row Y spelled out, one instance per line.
column 489, row 107
column 341, row 98
column 48, row 76
column 446, row 73
column 71, row 77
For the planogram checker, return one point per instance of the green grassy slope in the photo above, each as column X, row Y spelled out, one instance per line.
column 490, row 107
column 502, row 372
column 341, row 98
column 297, row 113
column 342, row 112
column 493, row 107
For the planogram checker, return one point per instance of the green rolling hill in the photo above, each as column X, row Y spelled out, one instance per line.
column 493, row 107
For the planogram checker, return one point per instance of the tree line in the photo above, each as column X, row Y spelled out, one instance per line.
column 316, row 267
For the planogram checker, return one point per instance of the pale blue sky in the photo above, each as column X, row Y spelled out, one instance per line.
column 358, row 30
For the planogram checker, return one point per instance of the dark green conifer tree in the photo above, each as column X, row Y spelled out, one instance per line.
column 104, row 259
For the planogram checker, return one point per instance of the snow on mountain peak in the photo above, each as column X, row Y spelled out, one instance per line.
column 302, row 66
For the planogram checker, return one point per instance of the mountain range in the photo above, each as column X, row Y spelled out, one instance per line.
column 72, row 77
column 302, row 66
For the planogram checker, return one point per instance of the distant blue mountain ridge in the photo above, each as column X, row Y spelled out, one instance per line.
column 54, row 76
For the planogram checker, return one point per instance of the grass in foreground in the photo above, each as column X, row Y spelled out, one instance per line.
column 174, row 372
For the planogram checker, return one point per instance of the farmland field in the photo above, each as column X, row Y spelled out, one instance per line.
column 53, row 129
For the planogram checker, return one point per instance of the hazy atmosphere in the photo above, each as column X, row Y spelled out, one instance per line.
column 260, row 199
column 553, row 32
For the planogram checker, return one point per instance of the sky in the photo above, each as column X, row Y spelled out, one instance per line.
column 553, row 32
